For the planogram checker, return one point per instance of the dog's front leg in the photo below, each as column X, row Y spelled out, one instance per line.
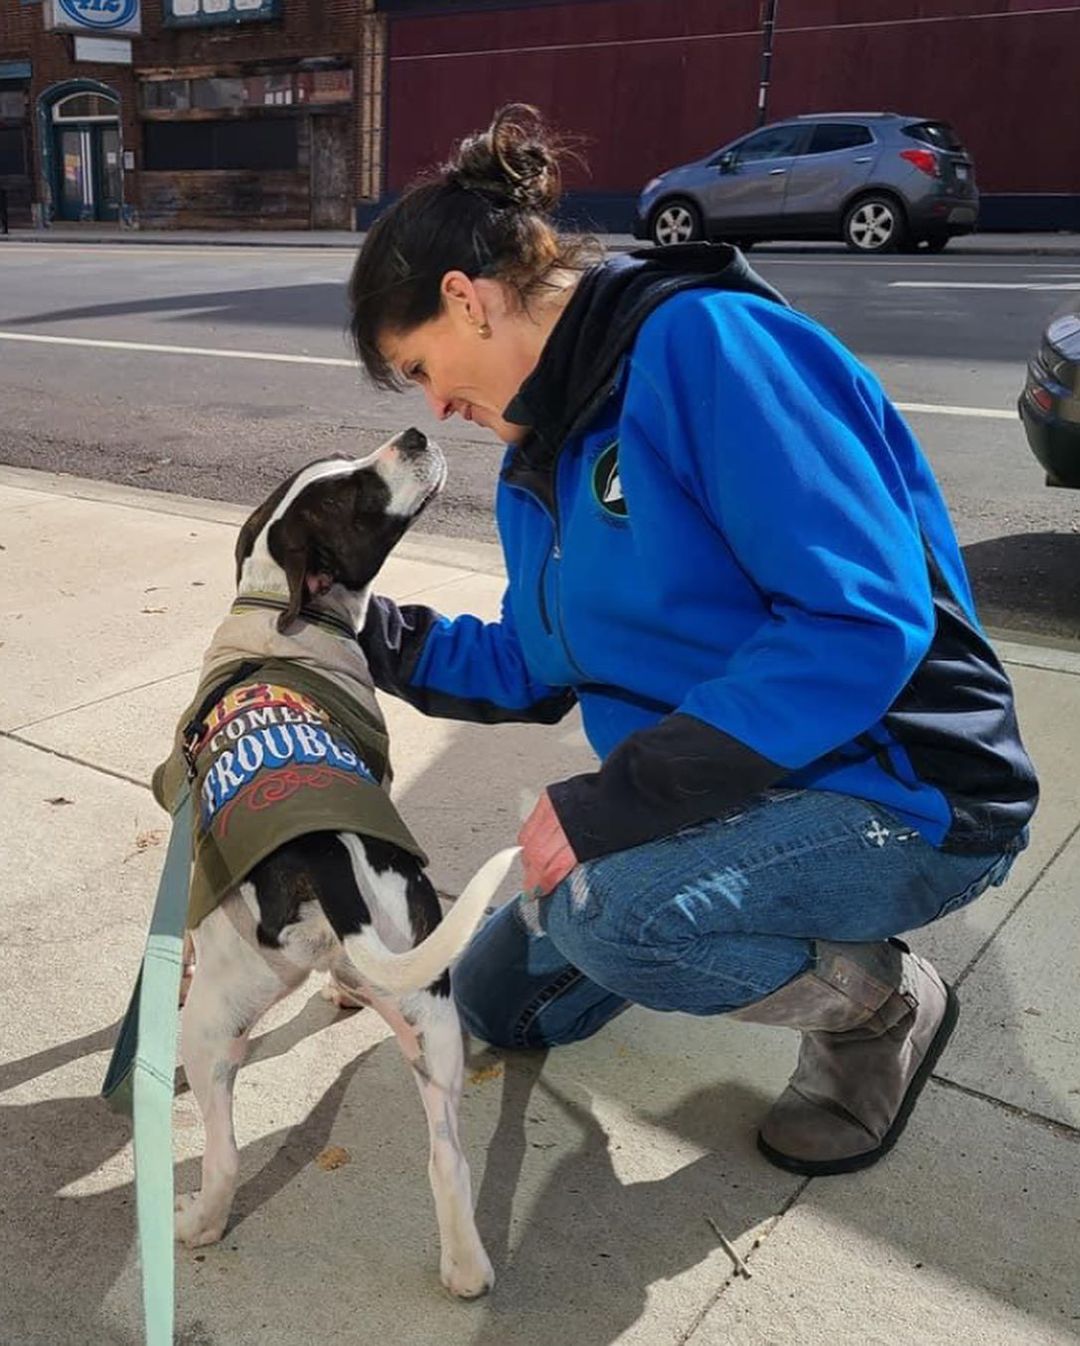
column 429, row 1032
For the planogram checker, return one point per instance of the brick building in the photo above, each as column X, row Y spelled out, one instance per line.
column 198, row 113
column 314, row 113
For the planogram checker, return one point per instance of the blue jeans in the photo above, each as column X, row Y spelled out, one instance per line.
column 711, row 919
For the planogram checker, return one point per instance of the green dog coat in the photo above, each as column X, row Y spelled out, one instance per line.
column 279, row 747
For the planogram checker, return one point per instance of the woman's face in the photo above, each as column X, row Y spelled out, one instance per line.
column 473, row 357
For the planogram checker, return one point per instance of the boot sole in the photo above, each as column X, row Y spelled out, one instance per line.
column 820, row 1168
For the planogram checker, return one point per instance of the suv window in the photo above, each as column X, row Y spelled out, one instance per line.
column 832, row 136
column 939, row 134
column 776, row 143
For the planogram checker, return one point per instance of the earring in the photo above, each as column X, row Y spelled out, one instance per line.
column 484, row 331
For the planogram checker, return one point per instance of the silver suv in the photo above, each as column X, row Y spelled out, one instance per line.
column 877, row 180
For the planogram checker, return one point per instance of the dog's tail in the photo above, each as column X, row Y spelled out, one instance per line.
column 399, row 973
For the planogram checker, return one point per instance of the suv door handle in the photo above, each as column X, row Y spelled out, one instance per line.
column 866, row 158
column 774, row 172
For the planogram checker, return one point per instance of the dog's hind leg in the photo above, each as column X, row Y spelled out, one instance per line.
column 235, row 986
column 429, row 1033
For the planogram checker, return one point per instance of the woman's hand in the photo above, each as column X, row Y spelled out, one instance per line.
column 546, row 852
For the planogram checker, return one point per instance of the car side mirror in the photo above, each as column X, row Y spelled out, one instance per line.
column 726, row 163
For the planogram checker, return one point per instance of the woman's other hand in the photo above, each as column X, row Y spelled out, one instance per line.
column 546, row 853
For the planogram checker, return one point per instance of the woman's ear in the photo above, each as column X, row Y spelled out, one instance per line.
column 461, row 298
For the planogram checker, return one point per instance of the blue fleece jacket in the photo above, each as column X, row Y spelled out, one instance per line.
column 738, row 562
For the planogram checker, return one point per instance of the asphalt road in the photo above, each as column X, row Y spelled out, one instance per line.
column 948, row 336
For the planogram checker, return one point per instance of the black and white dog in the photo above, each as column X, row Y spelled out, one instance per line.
column 362, row 910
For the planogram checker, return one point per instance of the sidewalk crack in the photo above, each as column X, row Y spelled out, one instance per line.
column 70, row 757
column 770, row 1226
column 1064, row 1130
column 100, row 701
column 966, row 972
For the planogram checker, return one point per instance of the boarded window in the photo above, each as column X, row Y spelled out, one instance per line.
column 12, row 151
column 212, row 94
column 175, row 147
column 12, row 104
column 168, row 95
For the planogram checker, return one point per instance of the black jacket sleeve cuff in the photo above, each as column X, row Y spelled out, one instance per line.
column 393, row 640
column 677, row 773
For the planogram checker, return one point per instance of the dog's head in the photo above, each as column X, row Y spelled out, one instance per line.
column 334, row 523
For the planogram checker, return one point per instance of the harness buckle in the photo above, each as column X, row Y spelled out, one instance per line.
column 189, row 744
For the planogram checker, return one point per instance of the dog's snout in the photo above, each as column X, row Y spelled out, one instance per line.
column 411, row 441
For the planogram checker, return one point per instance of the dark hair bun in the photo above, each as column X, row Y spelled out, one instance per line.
column 515, row 161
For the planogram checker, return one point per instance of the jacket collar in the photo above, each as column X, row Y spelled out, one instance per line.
column 580, row 364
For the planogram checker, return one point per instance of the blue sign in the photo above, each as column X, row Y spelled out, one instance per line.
column 97, row 16
column 198, row 13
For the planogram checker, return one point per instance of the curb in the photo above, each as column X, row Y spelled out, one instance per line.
column 614, row 242
column 124, row 240
column 456, row 553
column 1055, row 654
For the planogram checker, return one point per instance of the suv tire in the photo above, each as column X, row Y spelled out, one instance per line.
column 676, row 221
column 875, row 223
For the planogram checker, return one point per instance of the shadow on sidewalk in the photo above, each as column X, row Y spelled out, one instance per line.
column 595, row 1245
column 64, row 1253
column 572, row 1238
column 320, row 304
column 1028, row 581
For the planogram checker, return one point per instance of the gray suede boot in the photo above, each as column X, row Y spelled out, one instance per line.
column 874, row 1019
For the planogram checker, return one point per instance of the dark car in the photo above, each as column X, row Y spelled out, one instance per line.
column 1050, row 402
column 878, row 180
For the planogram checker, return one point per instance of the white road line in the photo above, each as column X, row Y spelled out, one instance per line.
column 275, row 357
column 957, row 263
column 982, row 285
column 272, row 356
column 935, row 409
column 188, row 251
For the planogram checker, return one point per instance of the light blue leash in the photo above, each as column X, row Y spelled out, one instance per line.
column 141, row 1076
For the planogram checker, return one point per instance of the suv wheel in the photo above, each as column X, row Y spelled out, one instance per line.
column 676, row 222
column 875, row 224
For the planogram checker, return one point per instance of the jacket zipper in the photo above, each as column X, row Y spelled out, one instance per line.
column 552, row 623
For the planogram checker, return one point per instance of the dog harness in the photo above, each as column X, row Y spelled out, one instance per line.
column 275, row 749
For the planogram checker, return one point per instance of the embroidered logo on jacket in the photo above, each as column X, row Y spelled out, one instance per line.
column 262, row 728
column 607, row 484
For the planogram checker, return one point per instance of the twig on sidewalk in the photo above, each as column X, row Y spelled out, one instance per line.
column 741, row 1269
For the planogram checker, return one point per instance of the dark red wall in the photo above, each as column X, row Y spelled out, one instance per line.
column 652, row 83
column 1003, row 77
column 646, row 82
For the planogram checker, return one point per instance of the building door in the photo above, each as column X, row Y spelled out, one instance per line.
column 86, row 132
column 331, row 181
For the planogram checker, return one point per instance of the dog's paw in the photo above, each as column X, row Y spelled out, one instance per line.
column 467, row 1277
column 340, row 995
column 191, row 1225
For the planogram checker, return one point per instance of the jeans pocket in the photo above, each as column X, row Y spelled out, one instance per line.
column 993, row 877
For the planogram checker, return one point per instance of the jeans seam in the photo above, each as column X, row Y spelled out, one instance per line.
column 551, row 992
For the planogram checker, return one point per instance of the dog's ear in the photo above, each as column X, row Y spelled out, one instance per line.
column 256, row 522
column 289, row 547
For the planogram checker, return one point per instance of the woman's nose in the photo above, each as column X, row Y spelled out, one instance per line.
column 439, row 405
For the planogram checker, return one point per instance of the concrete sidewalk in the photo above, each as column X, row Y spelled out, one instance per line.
column 990, row 245
column 602, row 1172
